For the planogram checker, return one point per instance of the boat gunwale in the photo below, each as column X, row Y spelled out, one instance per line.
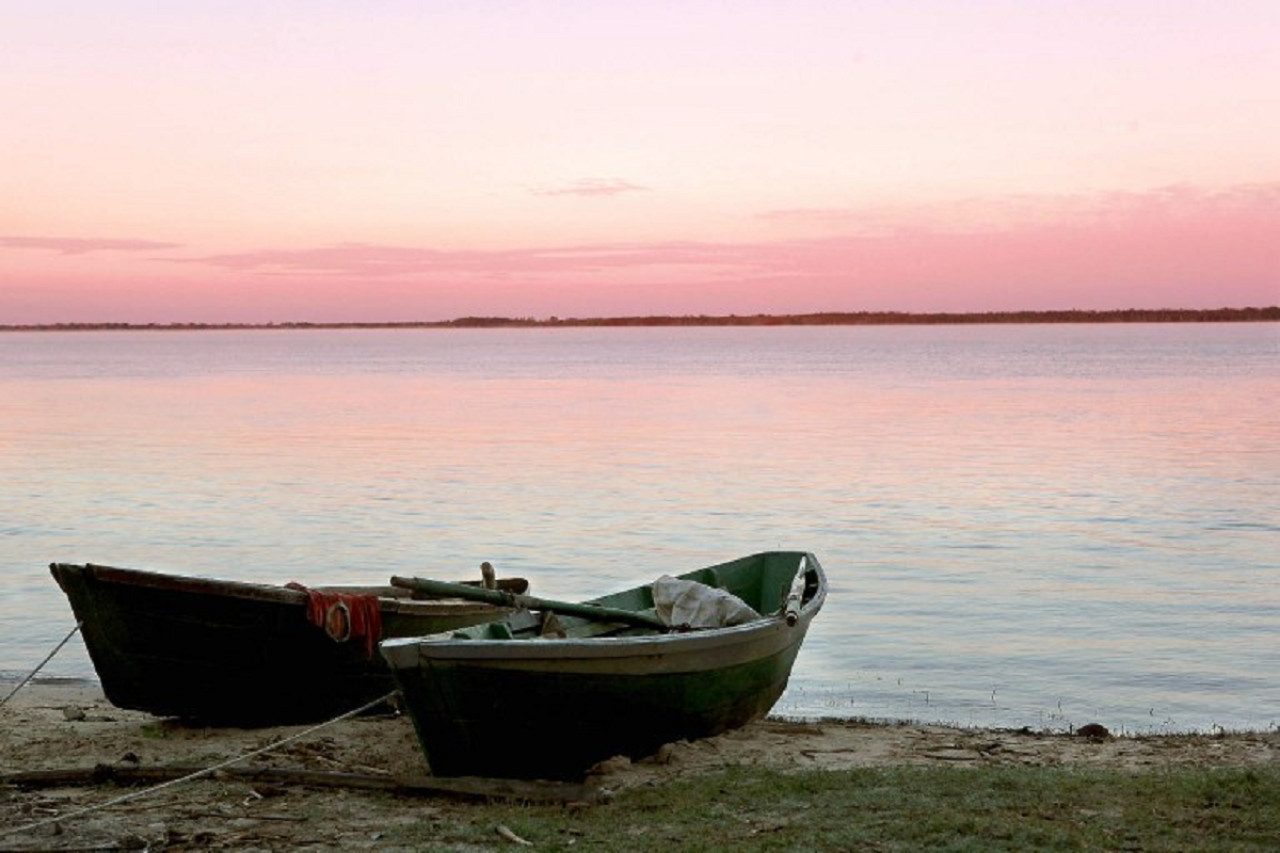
column 442, row 647
column 390, row 599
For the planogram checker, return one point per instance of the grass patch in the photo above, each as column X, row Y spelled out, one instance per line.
column 896, row 809
column 155, row 731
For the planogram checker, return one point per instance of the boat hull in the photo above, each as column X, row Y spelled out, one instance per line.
column 552, row 708
column 230, row 653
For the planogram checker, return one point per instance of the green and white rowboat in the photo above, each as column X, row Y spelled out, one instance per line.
column 553, row 688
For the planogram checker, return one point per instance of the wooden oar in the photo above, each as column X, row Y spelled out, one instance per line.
column 529, row 602
column 791, row 609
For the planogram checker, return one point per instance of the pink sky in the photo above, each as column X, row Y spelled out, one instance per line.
column 323, row 161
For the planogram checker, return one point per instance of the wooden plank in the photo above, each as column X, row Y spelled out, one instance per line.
column 466, row 787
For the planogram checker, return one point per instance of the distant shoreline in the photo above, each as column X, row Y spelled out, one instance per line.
column 826, row 318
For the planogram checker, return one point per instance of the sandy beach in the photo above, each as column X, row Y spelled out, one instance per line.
column 69, row 726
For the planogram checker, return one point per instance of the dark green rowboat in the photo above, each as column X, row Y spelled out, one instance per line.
column 227, row 652
column 505, row 699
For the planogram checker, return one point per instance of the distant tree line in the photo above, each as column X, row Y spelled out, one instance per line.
column 825, row 318
column 897, row 318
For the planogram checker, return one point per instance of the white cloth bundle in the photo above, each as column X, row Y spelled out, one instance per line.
column 681, row 602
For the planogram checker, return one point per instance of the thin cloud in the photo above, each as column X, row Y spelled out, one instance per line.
column 593, row 187
column 84, row 245
column 1017, row 212
column 372, row 260
column 1086, row 250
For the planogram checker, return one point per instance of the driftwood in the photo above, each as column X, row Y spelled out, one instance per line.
column 506, row 833
column 464, row 787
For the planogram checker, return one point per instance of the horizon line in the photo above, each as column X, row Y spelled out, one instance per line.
column 827, row 318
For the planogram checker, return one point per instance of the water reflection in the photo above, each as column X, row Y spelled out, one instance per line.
column 1021, row 526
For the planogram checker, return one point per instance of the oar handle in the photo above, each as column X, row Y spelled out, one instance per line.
column 457, row 590
column 529, row 602
column 791, row 610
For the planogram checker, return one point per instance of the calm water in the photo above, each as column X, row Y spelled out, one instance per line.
column 1024, row 525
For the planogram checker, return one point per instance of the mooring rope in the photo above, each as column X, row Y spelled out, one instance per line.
column 198, row 773
column 49, row 657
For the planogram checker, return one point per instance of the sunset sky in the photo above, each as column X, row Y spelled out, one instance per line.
column 389, row 160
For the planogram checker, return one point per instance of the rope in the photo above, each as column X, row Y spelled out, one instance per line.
column 49, row 657
column 208, row 771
